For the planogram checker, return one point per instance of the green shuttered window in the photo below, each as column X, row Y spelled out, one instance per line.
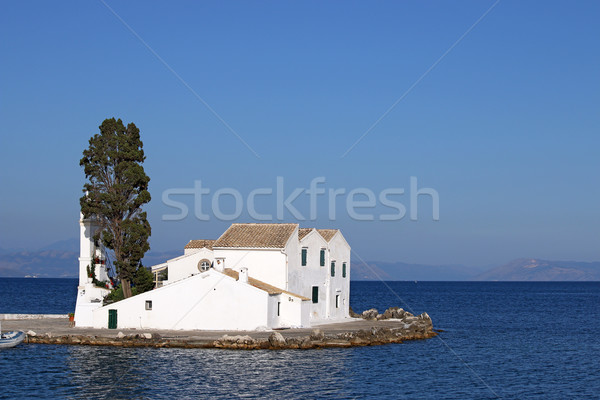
column 333, row 268
column 304, row 251
column 315, row 294
column 343, row 270
column 322, row 257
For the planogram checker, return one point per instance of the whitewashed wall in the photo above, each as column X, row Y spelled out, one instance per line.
column 339, row 250
column 87, row 229
column 267, row 265
column 187, row 265
column 89, row 298
column 293, row 262
column 294, row 312
column 207, row 301
column 303, row 278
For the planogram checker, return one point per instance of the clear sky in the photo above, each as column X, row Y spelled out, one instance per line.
column 505, row 127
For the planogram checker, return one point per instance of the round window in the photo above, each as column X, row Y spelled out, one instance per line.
column 204, row 265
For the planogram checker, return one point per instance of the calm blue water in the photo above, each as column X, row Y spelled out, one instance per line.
column 37, row 296
column 507, row 340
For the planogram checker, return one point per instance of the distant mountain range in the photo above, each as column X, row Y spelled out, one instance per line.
column 528, row 269
column 41, row 263
column 60, row 260
column 400, row 271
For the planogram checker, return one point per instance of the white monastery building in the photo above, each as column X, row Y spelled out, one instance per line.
column 255, row 276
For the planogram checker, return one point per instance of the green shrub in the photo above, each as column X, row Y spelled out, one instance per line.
column 143, row 281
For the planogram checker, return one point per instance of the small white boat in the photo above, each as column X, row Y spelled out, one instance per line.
column 11, row 339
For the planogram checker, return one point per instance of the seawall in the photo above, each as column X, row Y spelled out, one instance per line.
column 367, row 329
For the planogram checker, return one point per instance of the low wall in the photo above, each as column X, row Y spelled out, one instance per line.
column 32, row 316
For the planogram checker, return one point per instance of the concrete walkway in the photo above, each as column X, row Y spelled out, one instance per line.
column 60, row 327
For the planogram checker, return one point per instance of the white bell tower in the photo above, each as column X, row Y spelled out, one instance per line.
column 89, row 253
column 87, row 229
column 89, row 296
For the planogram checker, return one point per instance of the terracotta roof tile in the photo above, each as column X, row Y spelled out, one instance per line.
column 200, row 243
column 274, row 236
column 262, row 285
column 327, row 233
column 302, row 232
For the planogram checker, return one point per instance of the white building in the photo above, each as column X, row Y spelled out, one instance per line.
column 254, row 276
column 92, row 264
column 197, row 257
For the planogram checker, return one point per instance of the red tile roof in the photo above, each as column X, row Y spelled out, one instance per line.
column 256, row 235
column 302, row 232
column 200, row 243
column 327, row 233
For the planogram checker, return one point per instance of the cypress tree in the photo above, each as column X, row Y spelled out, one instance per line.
column 116, row 190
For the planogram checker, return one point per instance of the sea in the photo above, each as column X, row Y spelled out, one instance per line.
column 509, row 340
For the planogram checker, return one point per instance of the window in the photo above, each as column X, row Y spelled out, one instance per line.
column 204, row 265
column 333, row 268
column 315, row 294
column 304, row 252
column 148, row 304
column 322, row 257
column 278, row 308
column 343, row 270
column 337, row 301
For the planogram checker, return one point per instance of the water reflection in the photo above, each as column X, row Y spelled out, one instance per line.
column 111, row 372
column 107, row 372
column 524, row 340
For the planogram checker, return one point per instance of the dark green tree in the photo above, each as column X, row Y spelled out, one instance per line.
column 116, row 191
column 143, row 280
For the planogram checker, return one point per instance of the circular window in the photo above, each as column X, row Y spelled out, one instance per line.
column 204, row 265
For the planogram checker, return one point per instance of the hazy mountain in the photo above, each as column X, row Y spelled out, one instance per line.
column 44, row 264
column 368, row 272
column 400, row 271
column 64, row 245
column 56, row 260
column 60, row 259
column 527, row 269
column 11, row 250
column 58, row 263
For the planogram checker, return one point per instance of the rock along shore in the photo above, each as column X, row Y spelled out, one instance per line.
column 367, row 329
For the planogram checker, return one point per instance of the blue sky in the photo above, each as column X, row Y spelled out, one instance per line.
column 505, row 127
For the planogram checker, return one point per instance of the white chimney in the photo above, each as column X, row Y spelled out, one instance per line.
column 243, row 275
column 220, row 264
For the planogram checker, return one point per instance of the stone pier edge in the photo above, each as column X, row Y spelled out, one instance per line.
column 367, row 329
column 372, row 337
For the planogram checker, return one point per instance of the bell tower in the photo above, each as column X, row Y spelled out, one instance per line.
column 87, row 229
column 90, row 296
column 89, row 253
